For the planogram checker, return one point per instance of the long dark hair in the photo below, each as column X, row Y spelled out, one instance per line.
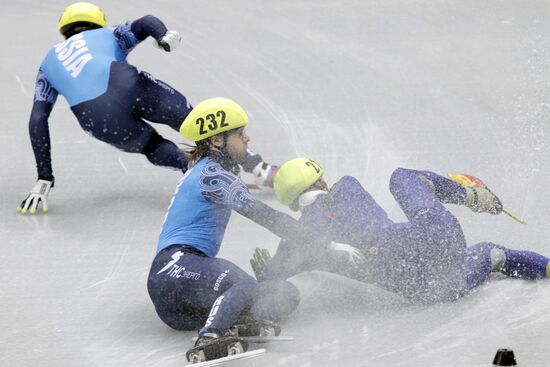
column 197, row 151
column 203, row 148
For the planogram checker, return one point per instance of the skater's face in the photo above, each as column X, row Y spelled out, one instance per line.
column 237, row 144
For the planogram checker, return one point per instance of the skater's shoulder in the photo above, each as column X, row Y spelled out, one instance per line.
column 346, row 184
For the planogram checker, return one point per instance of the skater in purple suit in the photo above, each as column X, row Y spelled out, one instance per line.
column 425, row 259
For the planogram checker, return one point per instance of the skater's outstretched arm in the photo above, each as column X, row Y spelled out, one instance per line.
column 132, row 32
column 44, row 99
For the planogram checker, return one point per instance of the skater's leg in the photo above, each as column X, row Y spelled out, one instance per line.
column 414, row 193
column 486, row 257
column 115, row 125
column 276, row 299
column 158, row 102
column 170, row 293
column 482, row 259
column 447, row 191
column 428, row 218
column 525, row 265
column 162, row 152
column 187, row 283
column 433, row 244
column 184, row 318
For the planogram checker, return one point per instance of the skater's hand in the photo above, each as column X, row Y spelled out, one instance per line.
column 260, row 259
column 39, row 193
column 264, row 174
column 346, row 253
column 169, row 41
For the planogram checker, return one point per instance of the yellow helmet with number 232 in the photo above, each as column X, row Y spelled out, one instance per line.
column 212, row 117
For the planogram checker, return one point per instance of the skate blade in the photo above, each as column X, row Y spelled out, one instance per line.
column 262, row 339
column 215, row 362
column 267, row 339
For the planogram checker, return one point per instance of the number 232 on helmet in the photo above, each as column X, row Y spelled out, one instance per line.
column 212, row 117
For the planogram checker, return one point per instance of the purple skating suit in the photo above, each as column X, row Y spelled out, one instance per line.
column 425, row 259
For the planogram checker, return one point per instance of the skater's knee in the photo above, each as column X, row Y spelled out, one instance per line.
column 397, row 176
column 152, row 145
column 289, row 294
column 496, row 254
column 162, row 152
column 181, row 321
column 402, row 179
column 276, row 299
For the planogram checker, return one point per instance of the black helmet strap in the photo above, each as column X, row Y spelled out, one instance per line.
column 71, row 29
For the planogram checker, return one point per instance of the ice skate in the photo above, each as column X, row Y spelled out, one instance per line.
column 479, row 198
column 211, row 346
column 256, row 328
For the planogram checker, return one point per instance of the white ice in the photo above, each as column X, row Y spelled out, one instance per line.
column 361, row 86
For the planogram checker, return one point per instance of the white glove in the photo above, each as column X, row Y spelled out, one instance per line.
column 39, row 193
column 346, row 252
column 169, row 41
column 264, row 174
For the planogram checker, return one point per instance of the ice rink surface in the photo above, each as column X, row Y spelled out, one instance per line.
column 361, row 86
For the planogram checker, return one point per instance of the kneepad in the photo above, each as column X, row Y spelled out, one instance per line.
column 498, row 258
column 489, row 253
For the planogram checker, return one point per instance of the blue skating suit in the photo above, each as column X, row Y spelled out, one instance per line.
column 188, row 285
column 209, row 193
column 425, row 259
column 110, row 98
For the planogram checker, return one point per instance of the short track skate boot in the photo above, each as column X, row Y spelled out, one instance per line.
column 213, row 346
column 479, row 198
column 256, row 328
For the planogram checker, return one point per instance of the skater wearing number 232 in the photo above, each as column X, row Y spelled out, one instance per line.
column 190, row 287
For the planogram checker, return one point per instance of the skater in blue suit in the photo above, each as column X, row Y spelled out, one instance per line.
column 425, row 259
column 111, row 99
column 190, row 287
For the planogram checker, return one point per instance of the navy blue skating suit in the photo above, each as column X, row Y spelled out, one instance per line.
column 188, row 285
column 425, row 259
column 110, row 98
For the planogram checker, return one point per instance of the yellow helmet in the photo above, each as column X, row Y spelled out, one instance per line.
column 81, row 12
column 294, row 177
column 211, row 117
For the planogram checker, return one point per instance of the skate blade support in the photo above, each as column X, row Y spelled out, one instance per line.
column 267, row 339
column 263, row 339
column 215, row 362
